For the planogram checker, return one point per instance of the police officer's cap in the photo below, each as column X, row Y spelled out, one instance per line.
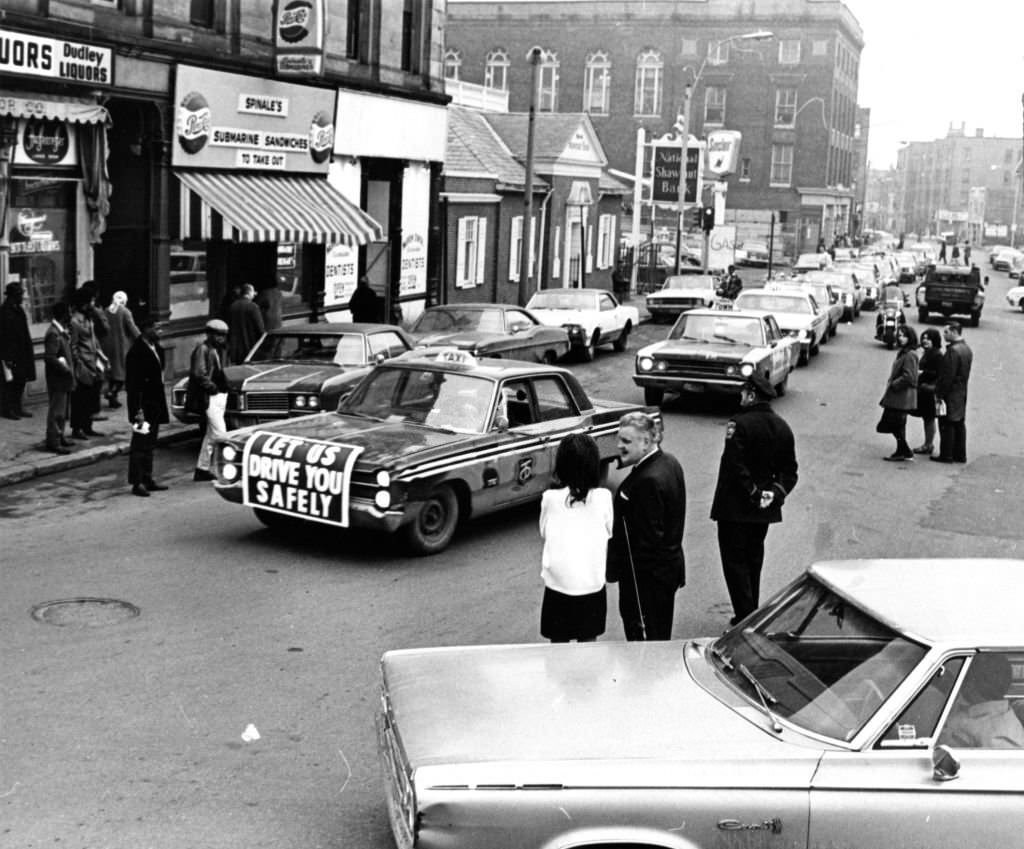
column 759, row 383
column 215, row 325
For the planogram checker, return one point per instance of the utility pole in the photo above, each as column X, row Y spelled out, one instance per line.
column 526, row 242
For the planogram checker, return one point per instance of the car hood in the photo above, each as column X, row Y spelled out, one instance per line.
column 277, row 377
column 594, row 703
column 464, row 339
column 680, row 293
column 710, row 350
column 793, row 320
column 382, row 443
column 556, row 318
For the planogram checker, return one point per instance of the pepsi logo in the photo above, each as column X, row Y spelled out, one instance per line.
column 294, row 20
column 193, row 122
column 321, row 137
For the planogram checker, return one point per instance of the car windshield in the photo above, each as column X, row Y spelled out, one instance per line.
column 721, row 327
column 564, row 299
column 348, row 349
column 689, row 281
column 445, row 320
column 772, row 303
column 819, row 661
column 447, row 401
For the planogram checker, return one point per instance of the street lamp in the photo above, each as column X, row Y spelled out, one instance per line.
column 534, row 57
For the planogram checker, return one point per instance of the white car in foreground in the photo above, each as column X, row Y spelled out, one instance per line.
column 592, row 317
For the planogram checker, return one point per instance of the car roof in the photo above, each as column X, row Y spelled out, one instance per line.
column 426, row 358
column 564, row 290
column 727, row 313
column 474, row 306
column 330, row 328
column 960, row 602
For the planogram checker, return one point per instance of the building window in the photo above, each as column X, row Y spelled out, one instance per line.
column 745, row 168
column 718, row 53
column 782, row 165
column 819, row 47
column 714, row 105
column 452, row 64
column 412, row 35
column 785, row 107
column 605, row 241
column 647, row 96
column 353, row 32
column 470, row 252
column 496, row 70
column 789, row 51
column 201, row 13
column 548, row 94
column 688, row 47
column 597, row 84
column 515, row 247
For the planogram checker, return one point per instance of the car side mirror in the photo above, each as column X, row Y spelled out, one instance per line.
column 500, row 424
column 945, row 766
column 518, row 328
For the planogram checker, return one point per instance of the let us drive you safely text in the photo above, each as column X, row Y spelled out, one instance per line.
column 307, row 478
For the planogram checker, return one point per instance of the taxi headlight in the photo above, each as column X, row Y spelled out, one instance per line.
column 803, row 336
column 382, row 498
column 229, row 453
column 229, row 471
column 384, row 478
column 300, row 401
column 645, row 363
column 747, row 369
column 314, row 402
column 731, row 370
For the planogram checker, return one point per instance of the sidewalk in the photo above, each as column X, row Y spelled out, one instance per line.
column 21, row 442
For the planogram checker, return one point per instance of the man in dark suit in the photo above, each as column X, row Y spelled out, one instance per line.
column 147, row 405
column 17, row 360
column 245, row 325
column 951, row 387
column 645, row 553
column 757, row 472
column 60, row 377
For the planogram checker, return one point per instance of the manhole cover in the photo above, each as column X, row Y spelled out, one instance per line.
column 84, row 612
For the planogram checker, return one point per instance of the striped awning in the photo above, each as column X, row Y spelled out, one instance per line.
column 271, row 208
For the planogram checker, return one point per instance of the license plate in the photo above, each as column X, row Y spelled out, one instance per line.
column 694, row 387
column 947, row 303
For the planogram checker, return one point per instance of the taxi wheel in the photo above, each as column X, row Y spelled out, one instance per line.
column 782, row 386
column 588, row 351
column 434, row 526
column 622, row 342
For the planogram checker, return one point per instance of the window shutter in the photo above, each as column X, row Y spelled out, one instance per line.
column 460, row 254
column 589, row 259
column 481, row 249
column 514, row 248
column 556, row 254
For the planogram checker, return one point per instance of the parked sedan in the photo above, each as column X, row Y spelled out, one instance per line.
column 1015, row 297
column 827, row 299
column 753, row 254
column 491, row 330
column 300, row 369
column 796, row 312
column 868, row 704
column 714, row 351
column 680, row 293
column 846, row 282
column 591, row 317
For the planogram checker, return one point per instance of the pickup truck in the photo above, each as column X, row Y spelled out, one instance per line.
column 951, row 290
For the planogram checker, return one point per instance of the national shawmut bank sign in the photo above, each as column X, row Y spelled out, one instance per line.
column 55, row 59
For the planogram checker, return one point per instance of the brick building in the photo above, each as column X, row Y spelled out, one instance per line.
column 627, row 64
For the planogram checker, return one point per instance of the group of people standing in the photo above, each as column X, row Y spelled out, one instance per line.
column 931, row 386
column 635, row 538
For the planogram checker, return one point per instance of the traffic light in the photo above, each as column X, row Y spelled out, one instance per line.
column 707, row 219
column 694, row 217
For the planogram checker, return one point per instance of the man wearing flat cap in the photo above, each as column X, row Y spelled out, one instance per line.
column 757, row 472
column 207, row 392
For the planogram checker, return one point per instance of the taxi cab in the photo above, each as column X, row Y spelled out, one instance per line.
column 797, row 313
column 425, row 440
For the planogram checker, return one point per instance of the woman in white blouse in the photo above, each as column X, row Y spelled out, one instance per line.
column 575, row 524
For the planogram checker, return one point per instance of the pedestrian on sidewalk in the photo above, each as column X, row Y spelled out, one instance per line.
column 90, row 366
column 122, row 332
column 900, row 396
column 575, row 524
column 271, row 303
column 58, row 366
column 757, row 472
column 645, row 554
column 17, row 359
column 928, row 373
column 207, row 392
column 245, row 325
column 147, row 405
column 951, row 395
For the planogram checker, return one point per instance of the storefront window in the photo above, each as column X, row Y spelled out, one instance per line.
column 190, row 290
column 41, row 221
column 289, row 278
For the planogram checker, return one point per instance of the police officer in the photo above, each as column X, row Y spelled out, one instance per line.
column 757, row 472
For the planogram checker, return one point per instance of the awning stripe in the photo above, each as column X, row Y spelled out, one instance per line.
column 278, row 208
column 54, row 107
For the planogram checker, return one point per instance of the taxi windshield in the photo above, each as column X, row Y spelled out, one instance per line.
column 818, row 661
column 563, row 299
column 690, row 281
column 773, row 303
column 342, row 350
column 445, row 320
column 720, row 327
column 445, row 400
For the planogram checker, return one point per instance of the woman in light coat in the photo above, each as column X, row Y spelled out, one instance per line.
column 122, row 333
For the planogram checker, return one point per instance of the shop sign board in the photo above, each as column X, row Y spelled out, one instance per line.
column 243, row 123
column 340, row 275
column 45, row 142
column 722, row 247
column 55, row 59
column 299, row 31
column 723, row 152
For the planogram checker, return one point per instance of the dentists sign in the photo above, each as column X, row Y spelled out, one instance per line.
column 308, row 478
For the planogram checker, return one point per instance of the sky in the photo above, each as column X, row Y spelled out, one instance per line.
column 928, row 64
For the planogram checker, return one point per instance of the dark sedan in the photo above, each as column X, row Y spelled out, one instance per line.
column 301, row 369
column 491, row 330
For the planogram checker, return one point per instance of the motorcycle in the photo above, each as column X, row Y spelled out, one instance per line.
column 888, row 322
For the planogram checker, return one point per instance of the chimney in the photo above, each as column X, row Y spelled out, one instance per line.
column 979, row 133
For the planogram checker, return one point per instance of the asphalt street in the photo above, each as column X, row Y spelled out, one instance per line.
column 134, row 727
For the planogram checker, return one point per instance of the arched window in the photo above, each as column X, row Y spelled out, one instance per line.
column 597, row 83
column 452, row 64
column 547, row 99
column 496, row 70
column 647, row 95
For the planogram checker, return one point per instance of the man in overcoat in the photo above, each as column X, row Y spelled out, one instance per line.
column 645, row 553
column 245, row 325
column 756, row 474
column 951, row 388
column 59, row 368
column 146, row 402
column 17, row 359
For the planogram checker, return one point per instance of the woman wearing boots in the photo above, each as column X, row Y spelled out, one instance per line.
column 928, row 373
column 901, row 392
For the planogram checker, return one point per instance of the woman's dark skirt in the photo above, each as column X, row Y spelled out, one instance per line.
column 573, row 617
column 925, row 405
